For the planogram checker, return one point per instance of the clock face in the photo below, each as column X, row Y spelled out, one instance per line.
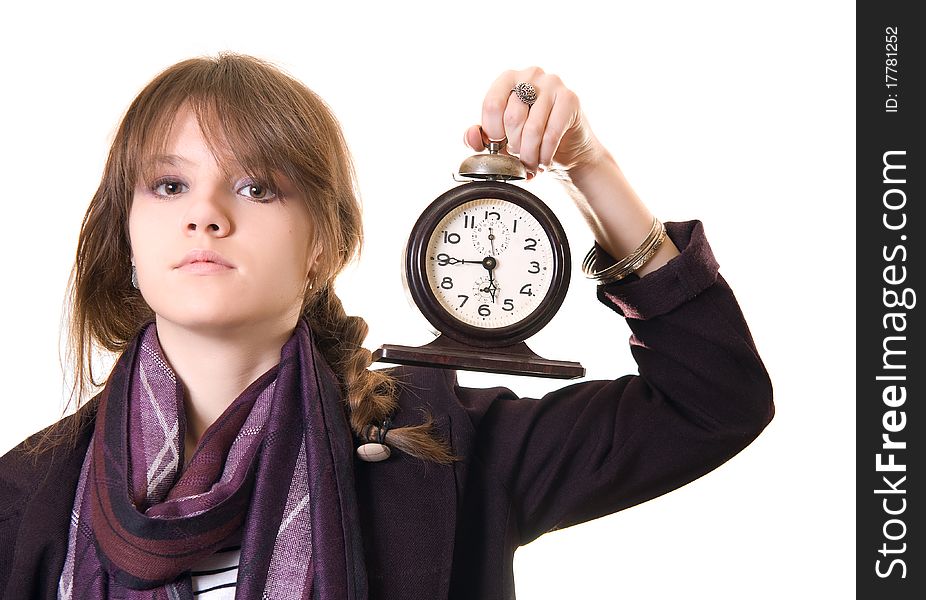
column 490, row 263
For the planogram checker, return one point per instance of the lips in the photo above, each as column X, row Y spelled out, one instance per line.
column 204, row 256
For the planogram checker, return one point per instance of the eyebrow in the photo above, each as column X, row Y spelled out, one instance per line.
column 176, row 160
column 171, row 159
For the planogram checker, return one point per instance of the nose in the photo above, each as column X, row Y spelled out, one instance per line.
column 208, row 212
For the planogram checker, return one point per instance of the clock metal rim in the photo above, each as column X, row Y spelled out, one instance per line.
column 416, row 265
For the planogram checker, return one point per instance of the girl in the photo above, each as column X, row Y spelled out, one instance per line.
column 220, row 458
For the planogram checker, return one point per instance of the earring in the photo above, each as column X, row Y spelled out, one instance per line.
column 134, row 275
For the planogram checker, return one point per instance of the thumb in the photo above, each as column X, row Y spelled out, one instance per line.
column 473, row 138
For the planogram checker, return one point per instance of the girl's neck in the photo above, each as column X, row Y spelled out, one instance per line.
column 215, row 366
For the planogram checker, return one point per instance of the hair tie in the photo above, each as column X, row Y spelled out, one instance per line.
column 384, row 428
column 375, row 451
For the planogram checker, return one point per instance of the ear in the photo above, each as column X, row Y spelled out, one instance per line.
column 313, row 257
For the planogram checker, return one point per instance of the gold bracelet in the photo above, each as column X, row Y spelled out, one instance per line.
column 628, row 264
column 587, row 264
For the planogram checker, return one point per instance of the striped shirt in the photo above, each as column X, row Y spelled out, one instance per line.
column 215, row 577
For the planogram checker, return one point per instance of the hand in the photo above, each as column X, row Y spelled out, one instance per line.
column 554, row 132
column 551, row 132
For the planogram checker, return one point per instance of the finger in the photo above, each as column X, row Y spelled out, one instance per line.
column 498, row 99
column 473, row 138
column 562, row 117
column 494, row 105
column 534, row 128
column 516, row 114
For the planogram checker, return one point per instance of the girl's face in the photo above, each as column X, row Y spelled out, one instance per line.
column 191, row 204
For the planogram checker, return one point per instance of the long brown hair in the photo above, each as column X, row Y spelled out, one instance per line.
column 272, row 124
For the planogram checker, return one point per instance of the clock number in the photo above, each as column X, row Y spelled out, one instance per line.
column 484, row 310
column 531, row 244
column 446, row 283
column 534, row 265
column 515, row 228
column 526, row 289
column 451, row 238
column 496, row 217
column 509, row 305
column 443, row 259
column 468, row 222
column 465, row 298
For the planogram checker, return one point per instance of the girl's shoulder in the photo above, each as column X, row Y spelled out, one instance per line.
column 42, row 456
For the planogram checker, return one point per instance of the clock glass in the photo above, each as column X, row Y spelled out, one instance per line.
column 489, row 263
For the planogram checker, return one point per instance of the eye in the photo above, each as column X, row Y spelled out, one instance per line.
column 168, row 187
column 257, row 191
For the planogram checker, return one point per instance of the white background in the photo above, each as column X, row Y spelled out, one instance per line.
column 740, row 115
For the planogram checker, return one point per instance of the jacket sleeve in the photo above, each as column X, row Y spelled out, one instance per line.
column 597, row 447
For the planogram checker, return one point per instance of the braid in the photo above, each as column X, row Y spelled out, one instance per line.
column 370, row 395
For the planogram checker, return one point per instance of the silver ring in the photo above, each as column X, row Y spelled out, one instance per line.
column 526, row 92
column 487, row 141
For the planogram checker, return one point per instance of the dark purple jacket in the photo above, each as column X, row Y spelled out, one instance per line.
column 529, row 466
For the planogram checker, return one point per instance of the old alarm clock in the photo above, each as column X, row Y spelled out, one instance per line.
column 488, row 265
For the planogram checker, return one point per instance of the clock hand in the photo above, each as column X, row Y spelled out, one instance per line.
column 457, row 261
column 492, row 285
column 492, row 240
column 490, row 262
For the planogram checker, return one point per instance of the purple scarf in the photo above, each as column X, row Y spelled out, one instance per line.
column 275, row 468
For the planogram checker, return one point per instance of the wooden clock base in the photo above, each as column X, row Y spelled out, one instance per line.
column 446, row 353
